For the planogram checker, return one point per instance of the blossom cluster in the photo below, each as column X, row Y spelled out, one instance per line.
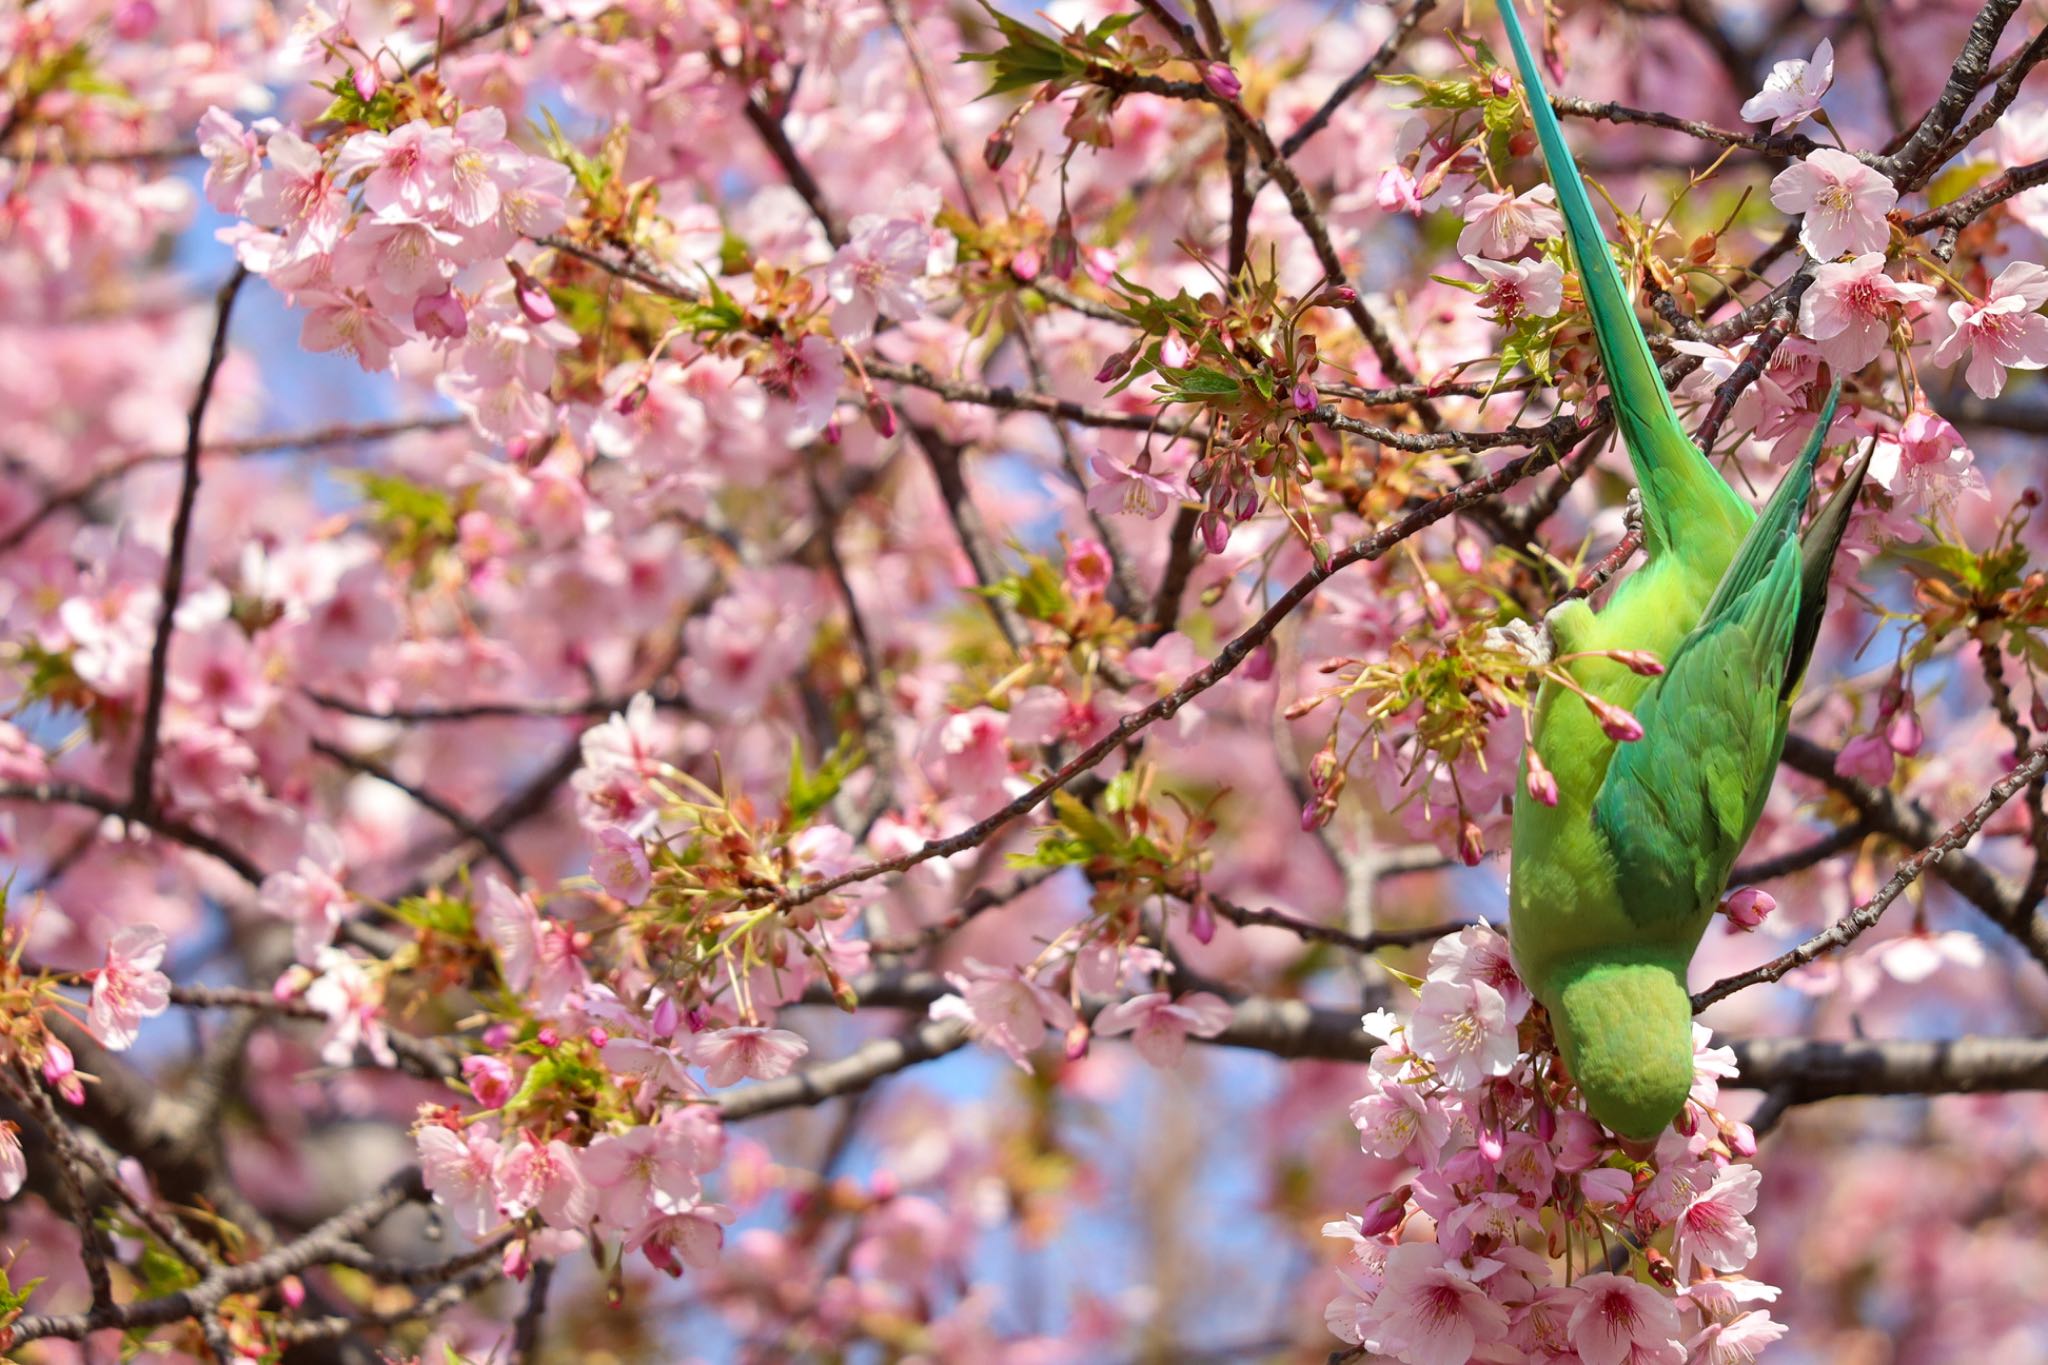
column 1522, row 1222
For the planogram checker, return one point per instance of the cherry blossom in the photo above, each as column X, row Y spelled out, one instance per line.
column 1520, row 289
column 2004, row 332
column 1715, row 1229
column 1792, row 92
column 1131, row 490
column 1851, row 306
column 1501, row 225
column 1160, row 1025
column 460, row 1170
column 762, row 1054
column 1619, row 1319
column 127, row 988
column 1843, row 203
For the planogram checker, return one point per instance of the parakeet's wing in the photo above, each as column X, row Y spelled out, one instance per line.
column 1678, row 804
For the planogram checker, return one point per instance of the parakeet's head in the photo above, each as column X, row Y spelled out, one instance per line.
column 1625, row 1031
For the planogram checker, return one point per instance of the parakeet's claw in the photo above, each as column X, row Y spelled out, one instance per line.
column 1534, row 643
column 1632, row 514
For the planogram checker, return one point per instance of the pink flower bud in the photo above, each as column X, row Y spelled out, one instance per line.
column 1222, row 81
column 497, row 1036
column 1436, row 604
column 516, row 1262
column 292, row 1290
column 1748, row 906
column 1026, row 264
column 367, row 79
column 1077, row 1041
column 1338, row 296
column 1387, row 1214
column 440, row 317
column 1904, row 733
column 1542, row 782
column 884, row 1186
column 1471, row 843
column 489, row 1079
column 1869, row 758
column 136, row 20
column 1258, row 665
column 1215, row 532
column 1469, row 556
column 1063, row 252
column 881, row 416
column 1501, row 82
column 1174, row 352
column 598, row 1036
column 696, row 1018
column 666, row 1018
column 548, row 1037
column 1741, row 1138
column 1638, row 661
column 1114, row 368
column 1617, row 724
column 1202, row 921
column 1546, row 1124
column 1305, row 398
column 534, row 300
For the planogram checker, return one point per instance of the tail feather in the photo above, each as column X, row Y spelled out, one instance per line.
column 1680, row 488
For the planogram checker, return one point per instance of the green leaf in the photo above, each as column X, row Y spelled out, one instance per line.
column 1439, row 94
column 437, row 914
column 1028, row 58
column 810, row 792
column 1957, row 181
column 1502, row 115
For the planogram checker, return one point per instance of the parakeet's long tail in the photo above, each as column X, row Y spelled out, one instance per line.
column 1679, row 485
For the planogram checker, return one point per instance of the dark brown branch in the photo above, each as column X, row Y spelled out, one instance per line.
column 141, row 792
column 1847, row 929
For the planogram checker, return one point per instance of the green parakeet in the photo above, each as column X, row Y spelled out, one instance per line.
column 1613, row 886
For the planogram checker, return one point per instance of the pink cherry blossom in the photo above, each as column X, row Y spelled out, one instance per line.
column 2004, row 332
column 1160, row 1025
column 533, row 1176
column 1844, row 204
column 1463, row 1028
column 460, row 1171
column 876, row 274
column 310, row 896
column 1131, row 490
column 1792, row 92
column 1479, row 954
column 1430, row 1311
column 620, row 865
column 407, row 167
column 748, row 1051
column 640, row 1173
column 233, row 156
column 1003, row 1007
column 1620, row 1319
column 1850, row 307
column 1714, row 1229
column 352, row 1002
column 127, row 988
column 1520, row 289
column 1501, row 225
column 685, row 1237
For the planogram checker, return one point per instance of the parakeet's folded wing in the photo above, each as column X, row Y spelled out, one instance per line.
column 1678, row 804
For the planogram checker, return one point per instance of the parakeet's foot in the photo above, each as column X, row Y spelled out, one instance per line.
column 1534, row 643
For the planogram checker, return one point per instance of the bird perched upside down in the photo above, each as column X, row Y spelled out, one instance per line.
column 1613, row 886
